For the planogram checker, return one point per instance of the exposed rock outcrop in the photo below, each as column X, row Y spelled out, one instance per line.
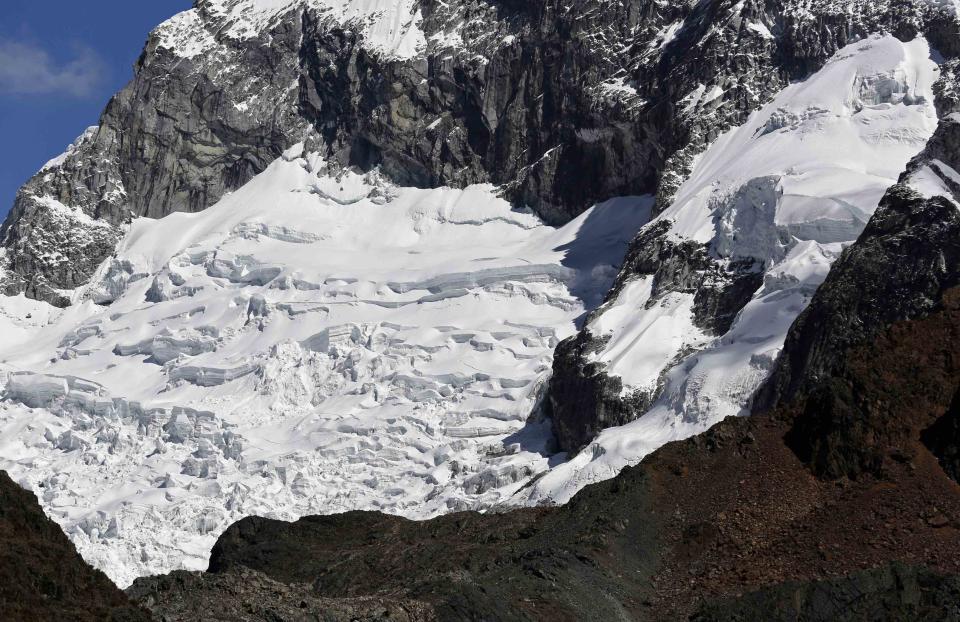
column 894, row 592
column 42, row 577
column 245, row 595
column 722, row 282
column 943, row 439
column 188, row 128
column 584, row 398
column 905, row 266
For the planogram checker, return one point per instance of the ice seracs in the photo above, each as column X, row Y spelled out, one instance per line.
column 323, row 340
column 318, row 341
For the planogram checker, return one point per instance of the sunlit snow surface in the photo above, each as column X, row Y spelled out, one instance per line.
column 321, row 341
column 788, row 189
column 390, row 28
column 318, row 341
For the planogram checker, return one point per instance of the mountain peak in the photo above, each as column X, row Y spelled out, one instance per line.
column 388, row 28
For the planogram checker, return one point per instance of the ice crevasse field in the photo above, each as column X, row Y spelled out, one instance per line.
column 321, row 340
column 318, row 341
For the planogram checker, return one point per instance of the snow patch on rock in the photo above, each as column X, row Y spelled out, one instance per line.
column 389, row 28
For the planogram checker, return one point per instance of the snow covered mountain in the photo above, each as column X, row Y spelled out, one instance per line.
column 317, row 341
column 426, row 257
column 712, row 284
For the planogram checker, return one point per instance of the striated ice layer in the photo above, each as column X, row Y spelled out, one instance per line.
column 785, row 192
column 318, row 341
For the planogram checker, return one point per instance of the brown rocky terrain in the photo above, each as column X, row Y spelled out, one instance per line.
column 42, row 577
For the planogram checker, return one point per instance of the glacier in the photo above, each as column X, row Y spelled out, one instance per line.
column 318, row 341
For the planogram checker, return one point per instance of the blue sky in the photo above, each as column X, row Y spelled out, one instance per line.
column 60, row 61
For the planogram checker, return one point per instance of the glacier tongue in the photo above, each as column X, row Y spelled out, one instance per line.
column 784, row 193
column 318, row 341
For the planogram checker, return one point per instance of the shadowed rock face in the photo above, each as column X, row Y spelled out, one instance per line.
column 943, row 439
column 905, row 265
column 584, row 400
column 42, row 577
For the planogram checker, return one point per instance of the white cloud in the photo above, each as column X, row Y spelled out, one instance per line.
column 27, row 69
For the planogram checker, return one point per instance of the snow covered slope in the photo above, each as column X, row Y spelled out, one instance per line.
column 780, row 196
column 390, row 28
column 318, row 341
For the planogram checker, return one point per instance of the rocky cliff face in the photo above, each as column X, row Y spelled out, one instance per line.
column 203, row 114
column 905, row 265
column 583, row 397
column 560, row 105
column 902, row 264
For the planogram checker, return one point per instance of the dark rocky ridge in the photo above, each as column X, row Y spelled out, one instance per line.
column 42, row 577
column 894, row 291
column 900, row 269
column 527, row 101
